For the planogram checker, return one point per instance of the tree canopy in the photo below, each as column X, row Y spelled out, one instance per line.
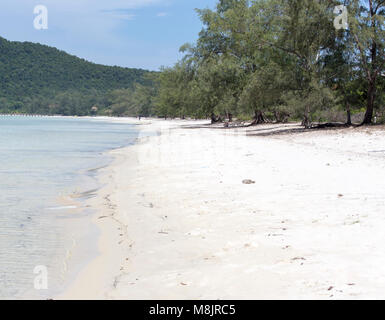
column 281, row 60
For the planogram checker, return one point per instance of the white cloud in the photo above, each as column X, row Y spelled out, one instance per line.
column 93, row 29
column 91, row 5
column 162, row 14
column 95, row 5
column 123, row 16
column 91, row 19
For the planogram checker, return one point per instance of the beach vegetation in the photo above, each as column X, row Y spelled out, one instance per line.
column 276, row 60
column 254, row 60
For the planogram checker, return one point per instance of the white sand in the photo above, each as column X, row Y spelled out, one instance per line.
column 184, row 226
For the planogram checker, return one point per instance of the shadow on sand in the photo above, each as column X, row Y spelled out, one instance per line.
column 264, row 130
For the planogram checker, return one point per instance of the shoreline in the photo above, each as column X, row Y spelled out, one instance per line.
column 46, row 187
column 193, row 230
column 110, row 230
column 81, row 205
column 98, row 272
column 97, row 278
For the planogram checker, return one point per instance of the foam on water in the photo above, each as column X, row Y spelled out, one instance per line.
column 41, row 160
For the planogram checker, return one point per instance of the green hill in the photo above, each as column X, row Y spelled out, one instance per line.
column 35, row 78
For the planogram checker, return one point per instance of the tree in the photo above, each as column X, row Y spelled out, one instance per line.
column 368, row 31
column 279, row 58
column 120, row 102
column 302, row 31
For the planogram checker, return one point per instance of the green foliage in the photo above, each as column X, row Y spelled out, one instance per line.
column 278, row 58
column 39, row 79
column 273, row 60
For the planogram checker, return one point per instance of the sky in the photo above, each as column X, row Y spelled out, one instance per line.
column 143, row 34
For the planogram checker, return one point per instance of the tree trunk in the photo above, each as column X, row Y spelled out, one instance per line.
column 349, row 114
column 276, row 116
column 306, row 118
column 215, row 119
column 281, row 117
column 258, row 117
column 372, row 75
column 370, row 105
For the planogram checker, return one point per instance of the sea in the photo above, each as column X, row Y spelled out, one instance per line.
column 48, row 170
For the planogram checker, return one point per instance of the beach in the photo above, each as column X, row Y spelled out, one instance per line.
column 193, row 212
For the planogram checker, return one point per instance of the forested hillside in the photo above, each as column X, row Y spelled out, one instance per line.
column 36, row 78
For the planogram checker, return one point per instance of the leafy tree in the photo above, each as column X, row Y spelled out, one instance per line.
column 367, row 28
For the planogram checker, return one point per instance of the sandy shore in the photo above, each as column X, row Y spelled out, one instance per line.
column 178, row 222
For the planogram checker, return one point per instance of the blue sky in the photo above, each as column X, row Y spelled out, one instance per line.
column 131, row 33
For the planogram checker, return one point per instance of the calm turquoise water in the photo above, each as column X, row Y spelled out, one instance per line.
column 41, row 160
